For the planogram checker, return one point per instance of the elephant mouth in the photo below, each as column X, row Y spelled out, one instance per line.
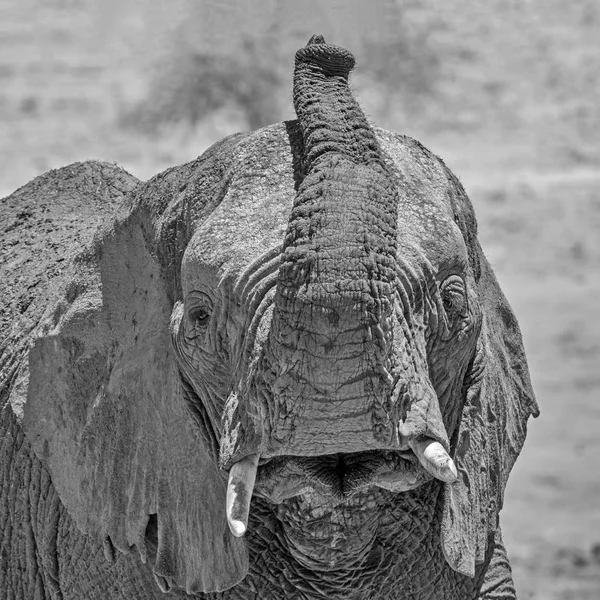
column 338, row 476
column 335, row 477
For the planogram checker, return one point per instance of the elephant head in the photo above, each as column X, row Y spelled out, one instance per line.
column 300, row 319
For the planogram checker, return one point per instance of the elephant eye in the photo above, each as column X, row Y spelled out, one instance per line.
column 199, row 317
column 198, row 313
column 454, row 300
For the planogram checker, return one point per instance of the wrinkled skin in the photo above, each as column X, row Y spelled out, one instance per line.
column 311, row 297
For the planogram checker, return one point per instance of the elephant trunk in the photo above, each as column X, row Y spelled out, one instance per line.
column 331, row 342
column 330, row 118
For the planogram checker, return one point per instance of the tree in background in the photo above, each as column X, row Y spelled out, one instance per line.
column 239, row 54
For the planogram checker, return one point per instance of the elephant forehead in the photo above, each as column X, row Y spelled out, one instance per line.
column 425, row 218
column 253, row 215
column 249, row 222
column 425, row 230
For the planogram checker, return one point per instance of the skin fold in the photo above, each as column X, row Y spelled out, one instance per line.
column 282, row 370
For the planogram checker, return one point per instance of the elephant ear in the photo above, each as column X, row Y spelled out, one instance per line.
column 498, row 402
column 106, row 412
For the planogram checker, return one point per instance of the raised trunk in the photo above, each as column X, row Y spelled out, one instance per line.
column 334, row 309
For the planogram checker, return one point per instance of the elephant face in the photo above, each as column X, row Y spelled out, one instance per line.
column 303, row 314
column 228, row 336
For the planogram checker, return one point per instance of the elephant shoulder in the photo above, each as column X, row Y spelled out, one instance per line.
column 44, row 225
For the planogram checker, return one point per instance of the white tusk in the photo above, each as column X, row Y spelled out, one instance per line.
column 240, row 486
column 435, row 459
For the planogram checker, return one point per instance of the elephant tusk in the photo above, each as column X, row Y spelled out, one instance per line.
column 435, row 459
column 240, row 486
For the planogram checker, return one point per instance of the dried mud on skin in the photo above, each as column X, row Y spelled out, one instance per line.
column 43, row 226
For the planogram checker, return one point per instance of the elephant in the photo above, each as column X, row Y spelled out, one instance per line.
column 282, row 370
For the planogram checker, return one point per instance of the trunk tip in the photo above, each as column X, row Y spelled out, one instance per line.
column 316, row 39
column 330, row 59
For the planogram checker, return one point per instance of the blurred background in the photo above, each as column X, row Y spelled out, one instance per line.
column 506, row 91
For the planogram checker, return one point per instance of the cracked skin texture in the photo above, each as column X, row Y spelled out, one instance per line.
column 110, row 484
